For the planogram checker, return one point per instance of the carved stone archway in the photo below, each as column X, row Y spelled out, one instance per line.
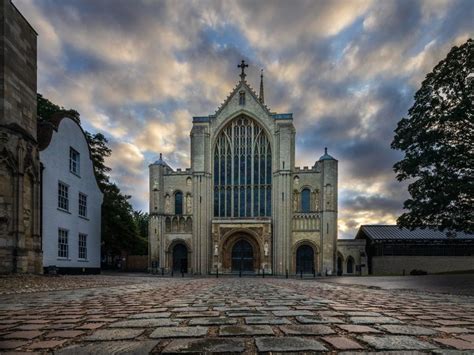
column 315, row 250
column 229, row 243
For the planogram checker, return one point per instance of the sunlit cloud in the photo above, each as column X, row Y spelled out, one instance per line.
column 347, row 70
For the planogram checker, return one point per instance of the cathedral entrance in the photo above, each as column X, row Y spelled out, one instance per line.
column 305, row 259
column 180, row 258
column 242, row 256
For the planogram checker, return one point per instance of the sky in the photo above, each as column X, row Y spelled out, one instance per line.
column 137, row 71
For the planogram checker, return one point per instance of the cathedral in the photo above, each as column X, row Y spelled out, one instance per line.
column 243, row 206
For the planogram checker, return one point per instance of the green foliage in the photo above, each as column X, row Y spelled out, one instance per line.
column 46, row 109
column 123, row 230
column 438, row 140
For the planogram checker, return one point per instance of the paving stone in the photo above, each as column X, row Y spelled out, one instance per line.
column 46, row 344
column 207, row 345
column 236, row 330
column 343, row 343
column 288, row 344
column 110, row 347
column 150, row 315
column 306, row 329
column 198, row 314
column 458, row 344
column 363, row 314
column 352, row 328
column 266, row 320
column 64, row 334
column 396, row 342
column 144, row 323
column 374, row 320
column 212, row 321
column 454, row 330
column 407, row 329
column 319, row 320
column 292, row 313
column 179, row 332
column 11, row 344
column 246, row 314
column 114, row 334
column 90, row 326
column 23, row 334
column 467, row 337
column 452, row 322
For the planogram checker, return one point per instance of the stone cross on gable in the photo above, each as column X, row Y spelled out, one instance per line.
column 243, row 66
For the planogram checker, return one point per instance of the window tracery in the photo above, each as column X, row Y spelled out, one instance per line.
column 242, row 170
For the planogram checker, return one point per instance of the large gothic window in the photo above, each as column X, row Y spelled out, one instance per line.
column 242, row 170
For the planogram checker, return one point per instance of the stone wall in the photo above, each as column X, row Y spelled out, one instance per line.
column 20, row 240
column 394, row 265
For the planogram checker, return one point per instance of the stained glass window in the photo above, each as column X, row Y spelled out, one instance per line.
column 242, row 170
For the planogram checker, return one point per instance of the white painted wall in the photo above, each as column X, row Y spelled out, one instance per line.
column 55, row 159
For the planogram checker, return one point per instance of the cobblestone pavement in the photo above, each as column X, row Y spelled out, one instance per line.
column 234, row 315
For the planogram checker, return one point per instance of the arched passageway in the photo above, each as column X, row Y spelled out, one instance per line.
column 305, row 259
column 242, row 256
column 180, row 258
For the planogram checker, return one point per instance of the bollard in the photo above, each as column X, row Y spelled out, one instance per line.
column 314, row 272
column 162, row 271
column 182, row 273
column 172, row 273
column 217, row 272
column 263, row 273
column 286, row 273
column 240, row 272
column 301, row 273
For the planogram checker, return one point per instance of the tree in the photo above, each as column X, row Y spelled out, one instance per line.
column 437, row 138
column 46, row 109
column 99, row 151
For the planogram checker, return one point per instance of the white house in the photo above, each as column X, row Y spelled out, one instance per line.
column 71, row 198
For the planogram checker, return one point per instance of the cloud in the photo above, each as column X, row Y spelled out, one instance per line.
column 347, row 70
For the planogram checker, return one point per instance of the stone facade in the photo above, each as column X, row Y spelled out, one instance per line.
column 20, row 241
column 286, row 223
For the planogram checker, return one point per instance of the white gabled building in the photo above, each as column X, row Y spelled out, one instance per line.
column 71, row 198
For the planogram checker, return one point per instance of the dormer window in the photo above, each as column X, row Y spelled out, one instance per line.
column 242, row 98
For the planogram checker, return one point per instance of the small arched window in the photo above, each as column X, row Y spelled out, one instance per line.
column 305, row 200
column 178, row 203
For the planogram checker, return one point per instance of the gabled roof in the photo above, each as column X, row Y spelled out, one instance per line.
column 394, row 232
column 242, row 83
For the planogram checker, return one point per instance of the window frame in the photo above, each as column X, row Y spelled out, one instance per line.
column 63, row 253
column 80, row 206
column 74, row 161
column 82, row 246
column 63, row 196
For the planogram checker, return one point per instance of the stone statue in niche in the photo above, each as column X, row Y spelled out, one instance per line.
column 296, row 180
column 265, row 249
column 316, row 200
column 189, row 204
column 167, row 204
column 295, row 201
column 189, row 181
column 216, row 250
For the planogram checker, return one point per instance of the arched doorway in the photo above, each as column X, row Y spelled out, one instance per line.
column 304, row 259
column 339, row 265
column 350, row 265
column 242, row 256
column 180, row 258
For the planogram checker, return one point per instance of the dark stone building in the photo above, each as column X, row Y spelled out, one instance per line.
column 20, row 240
